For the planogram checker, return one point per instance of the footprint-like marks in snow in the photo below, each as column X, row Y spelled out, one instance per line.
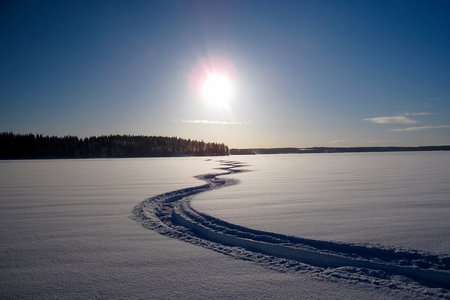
column 171, row 214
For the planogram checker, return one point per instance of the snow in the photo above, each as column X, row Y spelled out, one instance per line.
column 67, row 231
column 400, row 200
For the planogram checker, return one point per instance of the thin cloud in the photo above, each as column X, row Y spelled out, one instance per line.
column 417, row 114
column 213, row 122
column 392, row 120
column 338, row 141
column 419, row 128
column 379, row 141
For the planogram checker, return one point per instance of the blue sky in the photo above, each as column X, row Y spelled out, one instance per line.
column 305, row 73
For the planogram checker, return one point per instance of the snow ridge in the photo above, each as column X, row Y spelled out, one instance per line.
column 171, row 214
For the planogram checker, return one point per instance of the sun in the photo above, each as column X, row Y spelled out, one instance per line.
column 217, row 89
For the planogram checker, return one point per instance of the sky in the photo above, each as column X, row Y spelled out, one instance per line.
column 302, row 73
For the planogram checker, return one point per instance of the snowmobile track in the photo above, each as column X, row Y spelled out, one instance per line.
column 171, row 214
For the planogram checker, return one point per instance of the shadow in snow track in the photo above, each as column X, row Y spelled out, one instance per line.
column 171, row 214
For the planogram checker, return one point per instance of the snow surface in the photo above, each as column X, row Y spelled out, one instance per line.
column 66, row 231
column 400, row 200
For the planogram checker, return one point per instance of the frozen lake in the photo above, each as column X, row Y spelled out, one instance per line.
column 66, row 226
column 392, row 199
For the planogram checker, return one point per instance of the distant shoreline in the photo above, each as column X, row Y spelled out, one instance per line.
column 293, row 150
column 31, row 146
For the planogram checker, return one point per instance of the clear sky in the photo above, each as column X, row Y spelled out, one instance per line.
column 303, row 73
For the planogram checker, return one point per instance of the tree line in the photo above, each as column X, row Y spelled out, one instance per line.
column 17, row 146
column 334, row 150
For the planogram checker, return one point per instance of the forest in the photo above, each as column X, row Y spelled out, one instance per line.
column 292, row 150
column 20, row 146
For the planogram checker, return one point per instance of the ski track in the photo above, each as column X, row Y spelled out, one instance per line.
column 414, row 272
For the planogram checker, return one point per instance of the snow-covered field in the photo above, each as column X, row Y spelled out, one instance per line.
column 80, row 228
column 393, row 199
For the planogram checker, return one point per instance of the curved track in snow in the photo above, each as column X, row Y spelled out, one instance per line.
column 171, row 214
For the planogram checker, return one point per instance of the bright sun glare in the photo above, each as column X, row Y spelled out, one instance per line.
column 217, row 89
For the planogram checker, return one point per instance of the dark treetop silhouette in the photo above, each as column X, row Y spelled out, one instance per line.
column 334, row 150
column 16, row 146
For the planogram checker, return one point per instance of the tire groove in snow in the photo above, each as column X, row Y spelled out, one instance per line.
column 171, row 214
